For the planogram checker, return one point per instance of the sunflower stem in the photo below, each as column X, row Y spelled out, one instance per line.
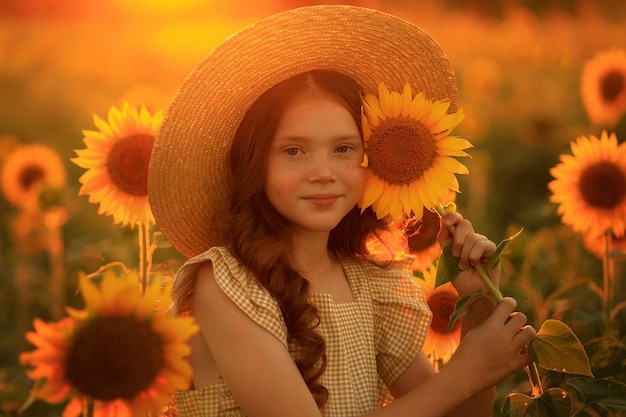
column 536, row 388
column 607, row 275
column 145, row 259
column 54, row 233
column 478, row 267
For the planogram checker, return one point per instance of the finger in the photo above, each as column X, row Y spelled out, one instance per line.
column 525, row 334
column 475, row 249
column 503, row 310
column 445, row 236
column 516, row 321
column 451, row 219
column 463, row 230
column 524, row 358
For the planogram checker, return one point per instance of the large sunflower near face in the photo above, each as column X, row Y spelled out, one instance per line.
column 440, row 344
column 410, row 152
column 116, row 159
column 27, row 170
column 603, row 87
column 590, row 185
column 122, row 353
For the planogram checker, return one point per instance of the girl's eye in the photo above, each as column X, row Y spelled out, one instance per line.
column 292, row 151
column 344, row 148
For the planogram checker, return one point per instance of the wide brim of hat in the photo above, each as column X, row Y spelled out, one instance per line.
column 188, row 177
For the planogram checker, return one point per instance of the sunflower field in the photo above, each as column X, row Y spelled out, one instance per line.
column 542, row 85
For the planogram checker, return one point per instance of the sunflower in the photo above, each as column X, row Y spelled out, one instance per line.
column 590, row 185
column 409, row 152
column 422, row 235
column 122, row 352
column 116, row 159
column 603, row 87
column 422, row 239
column 28, row 169
column 440, row 344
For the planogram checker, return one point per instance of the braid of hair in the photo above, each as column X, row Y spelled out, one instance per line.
column 262, row 249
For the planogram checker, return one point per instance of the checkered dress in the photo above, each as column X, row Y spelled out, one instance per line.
column 370, row 341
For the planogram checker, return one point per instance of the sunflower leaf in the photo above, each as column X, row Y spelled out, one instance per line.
column 606, row 394
column 553, row 402
column 448, row 267
column 556, row 348
column 461, row 305
column 495, row 258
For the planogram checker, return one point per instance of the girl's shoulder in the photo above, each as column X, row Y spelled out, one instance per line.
column 237, row 282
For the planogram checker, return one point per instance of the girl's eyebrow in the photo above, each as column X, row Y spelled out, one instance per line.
column 298, row 138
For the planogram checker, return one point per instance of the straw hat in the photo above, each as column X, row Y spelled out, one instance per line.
column 188, row 174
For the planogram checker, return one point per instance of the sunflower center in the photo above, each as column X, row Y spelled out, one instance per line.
column 400, row 150
column 612, row 85
column 442, row 305
column 29, row 176
column 422, row 235
column 127, row 164
column 602, row 185
column 114, row 357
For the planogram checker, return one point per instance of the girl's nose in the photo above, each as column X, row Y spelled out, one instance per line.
column 322, row 169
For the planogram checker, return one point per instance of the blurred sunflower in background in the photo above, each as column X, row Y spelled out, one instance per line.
column 603, row 87
column 422, row 235
column 409, row 152
column 422, row 239
column 590, row 185
column 122, row 355
column 439, row 344
column 116, row 158
column 27, row 170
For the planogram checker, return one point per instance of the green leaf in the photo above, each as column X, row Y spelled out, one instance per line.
column 495, row 258
column 461, row 305
column 557, row 348
column 447, row 268
column 29, row 401
column 39, row 384
column 555, row 402
column 606, row 394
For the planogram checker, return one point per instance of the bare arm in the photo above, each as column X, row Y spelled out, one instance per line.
column 255, row 365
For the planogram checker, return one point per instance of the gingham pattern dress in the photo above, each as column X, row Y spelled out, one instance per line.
column 370, row 341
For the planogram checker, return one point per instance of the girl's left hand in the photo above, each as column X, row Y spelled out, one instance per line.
column 470, row 248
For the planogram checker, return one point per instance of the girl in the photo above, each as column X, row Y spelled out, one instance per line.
column 296, row 318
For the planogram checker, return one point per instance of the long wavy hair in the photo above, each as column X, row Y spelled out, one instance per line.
column 262, row 239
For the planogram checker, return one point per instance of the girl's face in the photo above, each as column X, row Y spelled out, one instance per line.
column 314, row 177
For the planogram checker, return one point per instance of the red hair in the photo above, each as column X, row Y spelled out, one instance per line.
column 261, row 238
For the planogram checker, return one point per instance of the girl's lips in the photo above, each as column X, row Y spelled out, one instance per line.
column 322, row 200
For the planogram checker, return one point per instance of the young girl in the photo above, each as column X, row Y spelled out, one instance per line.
column 296, row 318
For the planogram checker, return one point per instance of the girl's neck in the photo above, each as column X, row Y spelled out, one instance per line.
column 311, row 253
column 321, row 267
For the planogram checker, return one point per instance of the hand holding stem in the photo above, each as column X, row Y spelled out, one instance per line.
column 478, row 266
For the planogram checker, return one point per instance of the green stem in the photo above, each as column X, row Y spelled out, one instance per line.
column 536, row 387
column 145, row 259
column 478, row 267
column 607, row 273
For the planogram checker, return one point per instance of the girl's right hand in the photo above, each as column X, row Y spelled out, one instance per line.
column 494, row 349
